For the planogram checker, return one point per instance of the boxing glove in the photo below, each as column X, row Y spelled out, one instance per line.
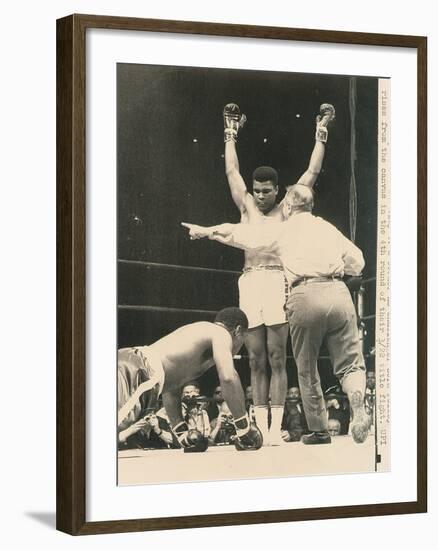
column 233, row 121
column 251, row 441
column 326, row 115
column 192, row 441
column 249, row 437
column 198, row 443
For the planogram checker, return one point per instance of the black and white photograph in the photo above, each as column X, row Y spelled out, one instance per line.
column 252, row 274
column 218, row 291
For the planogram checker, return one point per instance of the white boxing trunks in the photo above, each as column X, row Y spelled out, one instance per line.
column 140, row 380
column 263, row 295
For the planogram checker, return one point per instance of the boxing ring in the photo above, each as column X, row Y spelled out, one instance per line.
column 342, row 456
column 223, row 462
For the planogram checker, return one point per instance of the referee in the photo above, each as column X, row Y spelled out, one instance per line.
column 315, row 257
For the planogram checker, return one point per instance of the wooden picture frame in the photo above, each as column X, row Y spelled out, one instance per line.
column 71, row 273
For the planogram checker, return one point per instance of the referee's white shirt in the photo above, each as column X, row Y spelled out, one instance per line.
column 307, row 245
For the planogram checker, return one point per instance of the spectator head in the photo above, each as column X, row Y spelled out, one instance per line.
column 334, row 427
column 293, row 393
column 217, row 395
column 248, row 393
column 371, row 379
column 293, row 398
column 189, row 396
column 191, row 390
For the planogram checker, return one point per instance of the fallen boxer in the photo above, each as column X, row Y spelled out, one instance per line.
column 165, row 366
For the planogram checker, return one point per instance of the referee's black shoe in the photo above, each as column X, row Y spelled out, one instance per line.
column 316, row 438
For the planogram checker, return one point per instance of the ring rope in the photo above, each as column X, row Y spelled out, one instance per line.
column 196, row 268
column 182, row 267
column 321, row 357
column 189, row 310
column 167, row 309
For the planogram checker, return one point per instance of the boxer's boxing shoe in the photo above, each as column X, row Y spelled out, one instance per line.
column 316, row 438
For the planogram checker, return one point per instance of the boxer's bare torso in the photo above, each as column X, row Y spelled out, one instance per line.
column 187, row 352
column 255, row 216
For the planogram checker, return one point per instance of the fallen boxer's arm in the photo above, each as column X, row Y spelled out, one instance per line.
column 248, row 437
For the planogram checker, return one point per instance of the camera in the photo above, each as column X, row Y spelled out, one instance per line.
column 227, row 421
column 190, row 401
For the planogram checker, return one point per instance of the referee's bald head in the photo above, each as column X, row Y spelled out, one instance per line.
column 298, row 198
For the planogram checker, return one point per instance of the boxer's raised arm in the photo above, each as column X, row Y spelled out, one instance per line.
column 311, row 174
column 233, row 121
column 236, row 183
column 323, row 120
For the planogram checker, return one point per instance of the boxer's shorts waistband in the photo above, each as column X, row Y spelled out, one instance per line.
column 263, row 268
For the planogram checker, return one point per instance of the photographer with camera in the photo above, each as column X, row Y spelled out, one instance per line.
column 193, row 409
column 150, row 432
column 222, row 428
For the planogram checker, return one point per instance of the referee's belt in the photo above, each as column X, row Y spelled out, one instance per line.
column 263, row 268
column 302, row 280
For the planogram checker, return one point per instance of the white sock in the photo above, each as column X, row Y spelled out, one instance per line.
column 261, row 417
column 276, row 418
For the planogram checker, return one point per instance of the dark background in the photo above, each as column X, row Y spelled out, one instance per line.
column 171, row 169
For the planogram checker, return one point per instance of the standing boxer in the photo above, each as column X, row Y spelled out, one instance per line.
column 181, row 356
column 262, row 286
